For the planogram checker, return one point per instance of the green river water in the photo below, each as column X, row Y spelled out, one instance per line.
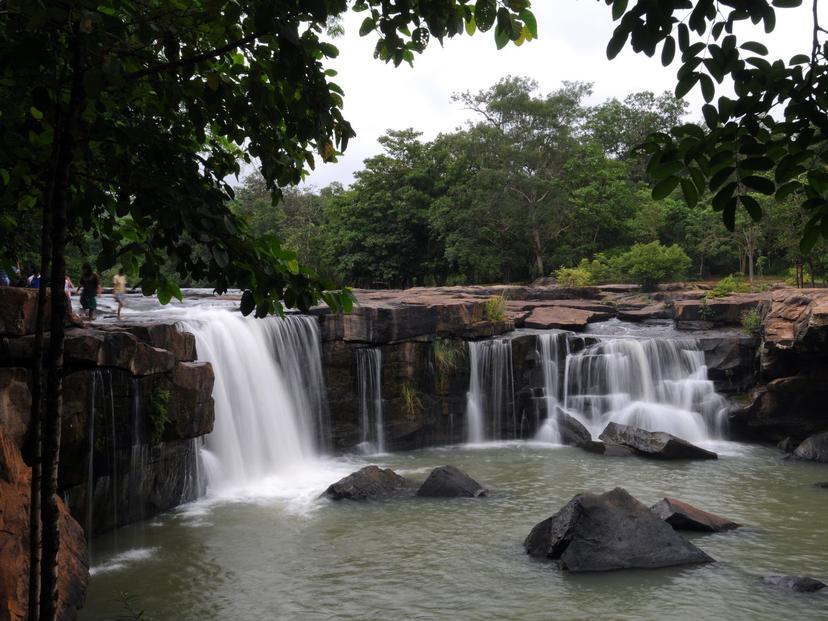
column 272, row 551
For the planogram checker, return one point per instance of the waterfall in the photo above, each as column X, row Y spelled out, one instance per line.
column 490, row 400
column 369, row 383
column 268, row 392
column 655, row 384
column 549, row 352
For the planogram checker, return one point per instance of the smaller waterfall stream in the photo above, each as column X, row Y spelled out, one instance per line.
column 369, row 383
column 654, row 384
column 491, row 398
column 549, row 351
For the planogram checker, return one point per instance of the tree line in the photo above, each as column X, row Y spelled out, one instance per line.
column 537, row 181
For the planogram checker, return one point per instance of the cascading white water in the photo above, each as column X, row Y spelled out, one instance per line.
column 490, row 399
column 549, row 351
column 268, row 394
column 654, row 384
column 369, row 383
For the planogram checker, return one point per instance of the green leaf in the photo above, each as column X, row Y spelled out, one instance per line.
column 501, row 37
column 787, row 4
column 729, row 214
column 711, row 116
column 686, row 84
column 617, row 42
column 752, row 206
column 799, row 59
column 36, row 114
column 691, row 195
column 759, row 184
column 531, row 23
column 367, row 26
column 248, row 302
column 471, row 25
column 707, row 87
column 664, row 188
column 668, row 51
column 755, row 47
column 485, row 12
column 809, row 239
column 619, row 7
column 786, row 190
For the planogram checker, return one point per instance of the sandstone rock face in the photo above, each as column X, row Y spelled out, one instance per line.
column 607, row 532
column 165, row 336
column 73, row 570
column 814, row 448
column 18, row 309
column 654, row 444
column 450, row 482
column 725, row 311
column 191, row 407
column 683, row 516
column 368, row 483
column 15, row 403
column 800, row 584
column 563, row 317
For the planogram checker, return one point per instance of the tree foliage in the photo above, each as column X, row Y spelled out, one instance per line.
column 770, row 139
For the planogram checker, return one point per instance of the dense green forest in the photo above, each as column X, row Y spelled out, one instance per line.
column 538, row 181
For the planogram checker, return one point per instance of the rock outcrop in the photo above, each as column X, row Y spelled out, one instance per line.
column 15, row 403
column 654, row 444
column 570, row 428
column 800, row 584
column 450, row 482
column 683, row 516
column 73, row 565
column 18, row 310
column 368, row 483
column 814, row 448
column 610, row 531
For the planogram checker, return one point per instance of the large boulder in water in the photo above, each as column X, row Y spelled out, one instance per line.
column 814, row 448
column 450, row 482
column 610, row 531
column 368, row 483
column 655, row 444
column 609, row 449
column 570, row 428
column 801, row 584
column 683, row 516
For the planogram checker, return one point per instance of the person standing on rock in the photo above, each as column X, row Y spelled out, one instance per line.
column 119, row 290
column 90, row 287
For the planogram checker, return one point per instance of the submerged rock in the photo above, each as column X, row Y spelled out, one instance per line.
column 787, row 445
column 823, row 484
column 801, row 584
column 368, row 483
column 450, row 482
column 656, row 444
column 570, row 428
column 607, row 448
column 610, row 531
column 814, row 448
column 683, row 516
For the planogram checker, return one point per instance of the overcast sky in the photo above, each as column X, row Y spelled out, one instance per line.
column 571, row 44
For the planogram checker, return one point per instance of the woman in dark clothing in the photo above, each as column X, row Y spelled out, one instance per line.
column 90, row 287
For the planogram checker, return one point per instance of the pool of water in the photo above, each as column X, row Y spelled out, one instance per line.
column 273, row 551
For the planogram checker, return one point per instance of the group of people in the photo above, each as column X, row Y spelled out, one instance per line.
column 89, row 287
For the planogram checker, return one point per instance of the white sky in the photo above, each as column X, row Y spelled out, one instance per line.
column 571, row 44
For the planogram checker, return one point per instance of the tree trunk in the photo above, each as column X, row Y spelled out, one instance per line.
column 750, row 264
column 59, row 200
column 35, row 425
column 538, row 248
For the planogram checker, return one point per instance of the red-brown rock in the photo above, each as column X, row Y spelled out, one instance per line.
column 15, row 403
column 682, row 516
column 562, row 317
column 18, row 309
column 73, row 566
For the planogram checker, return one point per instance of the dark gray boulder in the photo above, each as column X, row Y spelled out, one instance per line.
column 814, row 448
column 570, row 428
column 822, row 484
column 450, row 482
column 801, row 584
column 787, row 445
column 683, row 516
column 607, row 448
column 369, row 483
column 655, row 444
column 610, row 531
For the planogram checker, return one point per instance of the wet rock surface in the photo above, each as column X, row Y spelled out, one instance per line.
column 814, row 448
column 654, row 444
column 683, row 516
column 368, row 483
column 800, row 584
column 450, row 482
column 610, row 449
column 570, row 428
column 607, row 532
column 73, row 565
